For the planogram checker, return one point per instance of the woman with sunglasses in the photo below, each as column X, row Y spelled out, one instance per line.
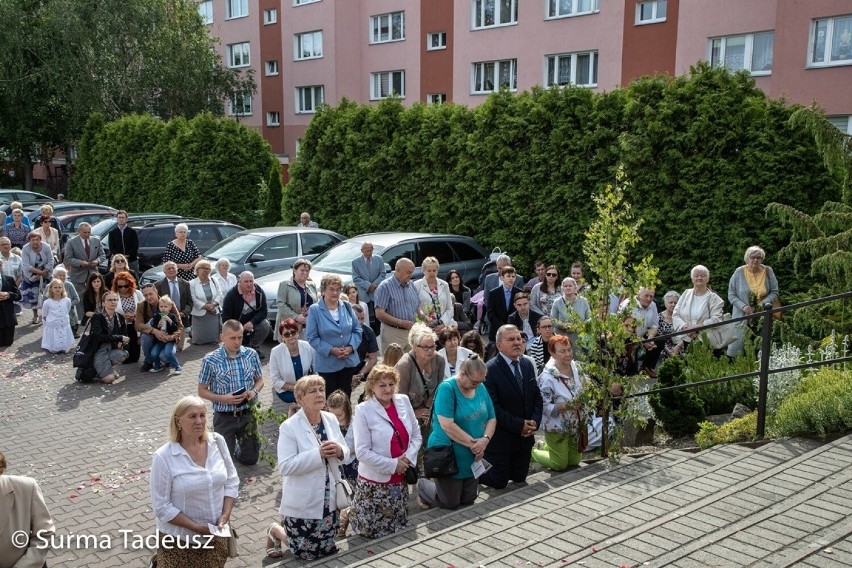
column 107, row 334
column 118, row 263
column 545, row 292
column 125, row 286
column 289, row 361
column 48, row 234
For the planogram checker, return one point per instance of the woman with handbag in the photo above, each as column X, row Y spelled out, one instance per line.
column 107, row 339
column 697, row 306
column 193, row 485
column 751, row 286
column 310, row 450
column 420, row 371
column 387, row 440
column 289, row 361
column 465, row 421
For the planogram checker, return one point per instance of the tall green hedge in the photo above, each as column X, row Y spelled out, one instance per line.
column 705, row 153
column 202, row 167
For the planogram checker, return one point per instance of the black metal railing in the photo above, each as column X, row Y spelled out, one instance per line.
column 763, row 371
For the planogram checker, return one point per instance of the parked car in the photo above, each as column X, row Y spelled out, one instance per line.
column 70, row 222
column 452, row 251
column 265, row 250
column 9, row 195
column 33, row 210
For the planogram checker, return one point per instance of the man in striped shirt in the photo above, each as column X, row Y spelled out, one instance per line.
column 397, row 305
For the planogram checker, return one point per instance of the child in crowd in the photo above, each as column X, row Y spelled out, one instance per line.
column 393, row 353
column 57, row 335
column 61, row 274
column 165, row 319
column 339, row 405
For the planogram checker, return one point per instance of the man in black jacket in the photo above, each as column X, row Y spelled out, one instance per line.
column 246, row 303
column 124, row 240
column 9, row 294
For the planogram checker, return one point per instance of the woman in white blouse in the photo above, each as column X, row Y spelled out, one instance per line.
column 435, row 296
column 698, row 305
column 289, row 361
column 193, row 485
column 207, row 299
column 223, row 277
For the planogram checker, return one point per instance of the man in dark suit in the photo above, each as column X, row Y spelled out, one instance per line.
column 500, row 302
column 9, row 294
column 524, row 318
column 510, row 381
column 178, row 290
column 82, row 255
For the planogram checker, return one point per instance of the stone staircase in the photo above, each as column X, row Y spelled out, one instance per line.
column 780, row 504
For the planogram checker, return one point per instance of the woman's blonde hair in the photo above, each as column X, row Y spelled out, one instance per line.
column 393, row 353
column 116, row 257
column 338, row 399
column 304, row 384
column 201, row 264
column 329, row 280
column 166, row 299
column 64, row 293
column 419, row 332
column 181, row 408
column 380, row 372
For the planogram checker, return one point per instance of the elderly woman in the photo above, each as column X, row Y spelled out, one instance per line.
column 387, row 440
column 193, row 485
column 335, row 334
column 128, row 296
column 49, row 235
column 466, row 419
column 546, row 292
column 24, row 514
column 207, row 300
column 460, row 292
column 296, row 296
column 289, row 361
column 16, row 229
column 698, row 305
column 310, row 444
column 183, row 252
column 107, row 335
column 564, row 417
column 568, row 309
column 435, row 297
column 223, row 276
column 420, row 370
column 452, row 353
column 751, row 286
column 673, row 345
column 93, row 297
column 118, row 263
column 37, row 263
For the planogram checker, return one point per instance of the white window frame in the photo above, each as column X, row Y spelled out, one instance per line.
column 482, row 68
column 436, row 98
column 236, row 9
column 205, row 10
column 573, row 57
column 479, row 11
column 748, row 52
column 239, row 55
column 316, row 93
column 375, row 84
column 298, row 45
column 828, row 43
column 376, row 25
column 270, row 16
column 838, row 122
column 555, row 9
column 441, row 43
column 246, row 110
column 270, row 68
column 273, row 118
column 655, row 18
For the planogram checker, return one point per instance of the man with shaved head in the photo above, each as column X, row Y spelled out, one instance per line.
column 397, row 304
column 246, row 303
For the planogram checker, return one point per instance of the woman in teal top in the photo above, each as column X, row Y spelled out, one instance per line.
column 466, row 420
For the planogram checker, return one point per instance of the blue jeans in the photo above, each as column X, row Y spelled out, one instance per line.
column 164, row 353
column 147, row 342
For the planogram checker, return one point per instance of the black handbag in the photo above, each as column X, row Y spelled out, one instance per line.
column 440, row 461
column 84, row 355
column 411, row 475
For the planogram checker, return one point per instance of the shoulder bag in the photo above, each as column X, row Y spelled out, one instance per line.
column 84, row 355
column 233, row 551
column 440, row 461
column 342, row 490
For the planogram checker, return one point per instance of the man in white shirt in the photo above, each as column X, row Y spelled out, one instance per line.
column 647, row 325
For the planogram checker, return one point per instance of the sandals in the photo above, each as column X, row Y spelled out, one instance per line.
column 277, row 548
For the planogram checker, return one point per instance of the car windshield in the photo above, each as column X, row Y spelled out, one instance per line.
column 234, row 247
column 339, row 259
column 102, row 227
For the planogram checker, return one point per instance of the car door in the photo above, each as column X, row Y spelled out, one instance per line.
column 204, row 236
column 276, row 253
column 315, row 243
column 152, row 246
column 469, row 262
column 441, row 251
column 403, row 250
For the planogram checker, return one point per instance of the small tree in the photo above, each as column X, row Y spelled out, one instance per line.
column 272, row 208
column 680, row 411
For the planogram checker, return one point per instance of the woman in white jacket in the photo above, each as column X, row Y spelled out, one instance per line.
column 309, row 445
column 207, row 299
column 387, row 439
column 435, row 296
column 289, row 361
column 698, row 305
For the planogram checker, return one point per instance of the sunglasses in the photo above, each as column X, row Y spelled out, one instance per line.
column 122, row 286
column 552, row 274
column 289, row 333
column 121, row 262
column 45, row 220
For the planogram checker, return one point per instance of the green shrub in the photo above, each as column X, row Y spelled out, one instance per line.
column 820, row 404
column 743, row 429
column 679, row 411
column 720, row 398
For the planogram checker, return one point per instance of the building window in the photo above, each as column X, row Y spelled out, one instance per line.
column 271, row 68
column 563, row 8
column 240, row 104
column 387, row 27
column 490, row 13
column 307, row 45
column 273, row 118
column 831, row 42
column 309, row 98
column 236, row 8
column 205, row 10
column 651, row 12
column 270, row 17
column 300, row 2
column 749, row 52
column 386, row 84
column 239, row 55
column 843, row 123
column 436, row 40
column 579, row 69
column 436, row 98
column 490, row 76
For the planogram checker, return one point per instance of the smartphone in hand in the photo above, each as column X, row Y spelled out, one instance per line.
column 240, row 392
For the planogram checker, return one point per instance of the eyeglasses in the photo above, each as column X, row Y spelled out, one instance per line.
column 45, row 220
column 552, row 274
column 289, row 333
column 427, row 347
column 121, row 262
column 122, row 286
column 545, row 326
column 111, row 300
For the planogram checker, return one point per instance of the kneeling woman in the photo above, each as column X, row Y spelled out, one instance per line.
column 387, row 439
column 309, row 444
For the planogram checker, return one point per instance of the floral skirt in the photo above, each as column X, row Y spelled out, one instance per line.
column 175, row 557
column 31, row 294
column 379, row 509
column 312, row 538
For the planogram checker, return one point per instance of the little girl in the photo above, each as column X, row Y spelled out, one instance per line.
column 338, row 404
column 57, row 336
column 165, row 319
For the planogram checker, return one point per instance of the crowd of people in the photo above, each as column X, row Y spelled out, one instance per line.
column 438, row 390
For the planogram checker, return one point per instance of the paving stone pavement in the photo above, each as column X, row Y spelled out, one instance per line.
column 89, row 445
